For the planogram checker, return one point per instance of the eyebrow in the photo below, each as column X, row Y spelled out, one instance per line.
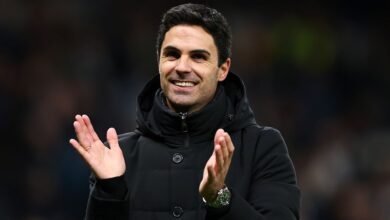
column 172, row 48
column 168, row 48
column 201, row 51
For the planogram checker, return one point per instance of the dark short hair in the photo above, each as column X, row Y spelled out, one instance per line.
column 208, row 18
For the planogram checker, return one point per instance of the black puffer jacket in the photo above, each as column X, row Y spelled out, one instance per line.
column 166, row 155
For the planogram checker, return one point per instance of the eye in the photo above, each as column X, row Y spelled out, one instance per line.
column 198, row 56
column 172, row 55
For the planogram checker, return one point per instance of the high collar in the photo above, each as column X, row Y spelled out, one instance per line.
column 229, row 110
column 197, row 125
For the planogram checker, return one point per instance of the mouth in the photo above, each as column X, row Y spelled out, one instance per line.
column 183, row 83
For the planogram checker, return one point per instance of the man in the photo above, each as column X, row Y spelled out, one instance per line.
column 197, row 152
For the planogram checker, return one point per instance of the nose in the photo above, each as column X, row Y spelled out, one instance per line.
column 183, row 65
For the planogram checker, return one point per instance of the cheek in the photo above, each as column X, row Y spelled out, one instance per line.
column 210, row 83
column 166, row 67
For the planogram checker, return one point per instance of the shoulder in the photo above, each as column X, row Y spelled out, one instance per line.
column 267, row 139
column 127, row 137
column 264, row 132
column 129, row 143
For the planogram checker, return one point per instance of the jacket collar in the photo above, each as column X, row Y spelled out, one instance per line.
column 229, row 110
column 194, row 127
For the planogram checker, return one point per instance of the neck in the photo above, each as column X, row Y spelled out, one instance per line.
column 181, row 108
column 186, row 108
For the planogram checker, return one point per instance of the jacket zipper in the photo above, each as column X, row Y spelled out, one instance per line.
column 184, row 127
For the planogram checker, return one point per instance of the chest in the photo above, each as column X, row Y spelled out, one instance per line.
column 161, row 177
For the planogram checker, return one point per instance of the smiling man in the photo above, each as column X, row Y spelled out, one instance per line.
column 197, row 153
column 189, row 68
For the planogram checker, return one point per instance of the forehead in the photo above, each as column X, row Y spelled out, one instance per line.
column 189, row 37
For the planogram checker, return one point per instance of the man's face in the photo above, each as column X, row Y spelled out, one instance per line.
column 188, row 66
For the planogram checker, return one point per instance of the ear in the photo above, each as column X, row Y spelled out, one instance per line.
column 224, row 70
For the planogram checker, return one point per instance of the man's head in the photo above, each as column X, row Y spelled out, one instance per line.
column 193, row 47
column 209, row 19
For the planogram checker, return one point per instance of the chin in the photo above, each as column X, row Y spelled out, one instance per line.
column 181, row 105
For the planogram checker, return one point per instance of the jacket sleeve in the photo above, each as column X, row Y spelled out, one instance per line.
column 273, row 194
column 108, row 199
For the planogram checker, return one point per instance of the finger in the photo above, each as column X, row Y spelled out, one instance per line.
column 112, row 138
column 211, row 160
column 78, row 147
column 218, row 134
column 229, row 143
column 211, row 174
column 224, row 148
column 81, row 136
column 219, row 158
column 230, row 147
column 85, row 137
column 88, row 135
column 90, row 128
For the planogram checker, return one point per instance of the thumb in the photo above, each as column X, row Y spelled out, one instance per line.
column 211, row 173
column 112, row 138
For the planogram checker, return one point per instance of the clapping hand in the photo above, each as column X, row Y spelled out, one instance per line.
column 104, row 162
column 217, row 166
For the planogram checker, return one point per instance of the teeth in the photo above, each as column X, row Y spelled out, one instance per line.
column 184, row 84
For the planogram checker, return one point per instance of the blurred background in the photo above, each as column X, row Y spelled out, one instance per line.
column 319, row 72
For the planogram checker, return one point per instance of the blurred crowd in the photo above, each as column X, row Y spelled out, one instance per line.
column 319, row 72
